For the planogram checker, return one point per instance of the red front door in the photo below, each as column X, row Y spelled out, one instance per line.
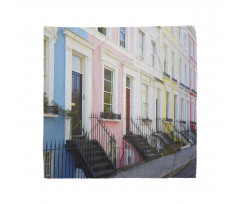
column 127, row 109
column 128, row 104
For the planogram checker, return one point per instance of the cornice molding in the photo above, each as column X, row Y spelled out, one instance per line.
column 78, row 38
column 130, row 66
column 108, row 52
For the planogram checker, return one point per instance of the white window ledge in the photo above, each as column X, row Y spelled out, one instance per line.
column 110, row 120
column 50, row 115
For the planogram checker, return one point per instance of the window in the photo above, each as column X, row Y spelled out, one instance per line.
column 152, row 54
column 165, row 59
column 180, row 70
column 168, row 105
column 195, row 53
column 185, row 40
column 128, row 82
column 185, row 81
column 122, row 36
column 173, row 65
column 192, row 79
column 172, row 30
column 140, row 44
column 144, row 100
column 192, row 112
column 45, row 65
column 49, row 39
column 102, row 30
column 182, row 109
column 188, row 108
column 191, row 48
column 47, row 164
column 195, row 80
column 108, row 90
column 179, row 34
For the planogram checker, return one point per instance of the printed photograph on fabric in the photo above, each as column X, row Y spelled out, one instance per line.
column 120, row 102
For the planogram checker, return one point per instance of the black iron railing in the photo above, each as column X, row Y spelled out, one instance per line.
column 101, row 133
column 59, row 162
column 146, row 120
column 112, row 116
column 142, row 127
column 187, row 87
column 50, row 109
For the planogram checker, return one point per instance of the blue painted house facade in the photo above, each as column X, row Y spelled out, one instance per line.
column 55, row 132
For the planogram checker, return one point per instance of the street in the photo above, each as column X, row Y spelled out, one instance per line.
column 188, row 171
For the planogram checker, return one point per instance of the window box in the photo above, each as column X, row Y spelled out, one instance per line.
column 50, row 110
column 110, row 115
column 166, row 75
column 193, row 123
column 146, row 120
column 175, row 80
column 183, row 122
column 181, row 84
column 187, row 88
column 194, row 91
column 168, row 120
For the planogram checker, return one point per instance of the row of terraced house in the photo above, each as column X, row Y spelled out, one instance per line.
column 115, row 97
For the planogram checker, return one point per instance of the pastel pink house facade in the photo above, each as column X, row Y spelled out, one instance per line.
column 193, row 76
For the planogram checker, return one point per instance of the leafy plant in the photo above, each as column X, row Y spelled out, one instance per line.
column 45, row 99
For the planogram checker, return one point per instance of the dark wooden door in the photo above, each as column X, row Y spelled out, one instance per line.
column 76, row 103
column 127, row 110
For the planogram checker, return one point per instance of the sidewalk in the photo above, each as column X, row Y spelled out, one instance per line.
column 158, row 168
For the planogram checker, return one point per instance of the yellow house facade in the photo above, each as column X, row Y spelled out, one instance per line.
column 174, row 77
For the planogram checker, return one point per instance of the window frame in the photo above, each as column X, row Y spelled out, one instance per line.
column 180, row 69
column 139, row 46
column 125, row 36
column 47, row 155
column 102, row 32
column 165, row 60
column 168, row 105
column 145, row 103
column 185, row 40
column 50, row 35
column 112, row 90
column 153, row 48
column 182, row 109
column 180, row 34
column 185, row 80
column 173, row 65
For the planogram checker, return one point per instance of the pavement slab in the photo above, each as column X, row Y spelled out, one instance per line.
column 160, row 167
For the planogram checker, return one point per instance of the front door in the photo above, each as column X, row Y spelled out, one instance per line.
column 76, row 122
column 128, row 104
